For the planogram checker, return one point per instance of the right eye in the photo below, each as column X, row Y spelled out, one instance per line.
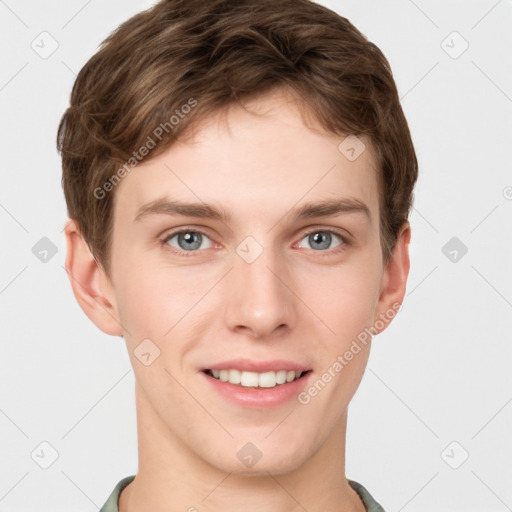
column 187, row 241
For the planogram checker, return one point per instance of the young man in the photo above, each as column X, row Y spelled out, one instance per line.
column 238, row 176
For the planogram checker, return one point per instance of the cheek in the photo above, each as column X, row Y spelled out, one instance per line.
column 157, row 301
column 144, row 300
column 345, row 297
column 347, row 309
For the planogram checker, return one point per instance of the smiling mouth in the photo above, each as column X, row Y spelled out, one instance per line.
column 257, row 380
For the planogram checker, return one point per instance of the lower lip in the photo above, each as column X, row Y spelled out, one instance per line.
column 258, row 397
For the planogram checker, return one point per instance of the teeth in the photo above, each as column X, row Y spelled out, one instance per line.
column 254, row 379
column 281, row 376
column 249, row 379
column 235, row 376
column 267, row 379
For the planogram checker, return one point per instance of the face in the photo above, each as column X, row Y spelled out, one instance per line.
column 254, row 283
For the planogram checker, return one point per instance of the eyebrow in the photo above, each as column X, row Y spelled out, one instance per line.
column 312, row 209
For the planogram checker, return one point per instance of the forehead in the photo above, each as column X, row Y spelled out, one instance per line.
column 261, row 156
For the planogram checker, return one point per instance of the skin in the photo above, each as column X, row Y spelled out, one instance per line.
column 293, row 302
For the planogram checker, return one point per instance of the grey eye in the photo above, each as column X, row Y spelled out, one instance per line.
column 189, row 240
column 321, row 240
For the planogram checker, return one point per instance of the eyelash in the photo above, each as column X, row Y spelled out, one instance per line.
column 343, row 245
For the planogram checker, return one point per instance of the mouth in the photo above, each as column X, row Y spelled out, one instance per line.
column 249, row 379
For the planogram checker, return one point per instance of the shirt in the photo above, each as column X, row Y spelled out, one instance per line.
column 111, row 504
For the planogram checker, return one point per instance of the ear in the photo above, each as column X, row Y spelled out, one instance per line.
column 394, row 280
column 91, row 287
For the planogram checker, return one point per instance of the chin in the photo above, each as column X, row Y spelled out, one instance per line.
column 277, row 463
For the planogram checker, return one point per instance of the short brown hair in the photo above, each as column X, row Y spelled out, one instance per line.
column 209, row 54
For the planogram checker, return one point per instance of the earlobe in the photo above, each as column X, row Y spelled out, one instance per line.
column 88, row 282
column 394, row 279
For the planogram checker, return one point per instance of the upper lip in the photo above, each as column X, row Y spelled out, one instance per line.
column 249, row 365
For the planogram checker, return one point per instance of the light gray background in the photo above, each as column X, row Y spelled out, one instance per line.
column 439, row 374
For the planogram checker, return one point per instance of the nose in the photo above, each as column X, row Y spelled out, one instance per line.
column 260, row 298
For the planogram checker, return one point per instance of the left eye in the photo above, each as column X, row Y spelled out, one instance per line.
column 319, row 240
